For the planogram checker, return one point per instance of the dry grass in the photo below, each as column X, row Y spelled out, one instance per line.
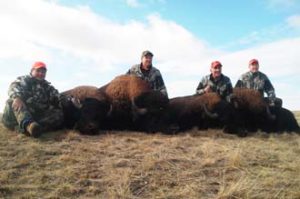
column 297, row 115
column 197, row 164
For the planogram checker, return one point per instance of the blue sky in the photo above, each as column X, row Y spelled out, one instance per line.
column 218, row 22
column 90, row 42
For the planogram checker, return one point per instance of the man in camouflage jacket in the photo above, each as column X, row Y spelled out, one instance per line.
column 216, row 82
column 33, row 104
column 146, row 71
column 254, row 79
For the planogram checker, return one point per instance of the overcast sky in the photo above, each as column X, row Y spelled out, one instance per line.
column 90, row 42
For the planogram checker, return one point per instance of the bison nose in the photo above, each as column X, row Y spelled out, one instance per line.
column 90, row 126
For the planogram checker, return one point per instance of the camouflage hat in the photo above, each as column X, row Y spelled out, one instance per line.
column 147, row 52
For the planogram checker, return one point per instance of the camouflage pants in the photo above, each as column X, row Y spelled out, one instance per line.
column 49, row 119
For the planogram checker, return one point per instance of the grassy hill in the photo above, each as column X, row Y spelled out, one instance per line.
column 196, row 164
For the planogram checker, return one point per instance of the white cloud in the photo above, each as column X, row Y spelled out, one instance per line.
column 282, row 4
column 138, row 4
column 78, row 31
column 82, row 47
column 278, row 59
column 133, row 3
column 294, row 21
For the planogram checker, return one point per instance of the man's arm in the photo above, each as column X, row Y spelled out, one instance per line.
column 54, row 96
column 228, row 92
column 269, row 89
column 239, row 84
column 160, row 85
column 201, row 86
column 17, row 88
column 16, row 92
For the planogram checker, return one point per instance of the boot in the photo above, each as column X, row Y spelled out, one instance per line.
column 34, row 129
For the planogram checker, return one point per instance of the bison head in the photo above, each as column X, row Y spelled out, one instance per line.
column 151, row 102
column 92, row 113
column 148, row 108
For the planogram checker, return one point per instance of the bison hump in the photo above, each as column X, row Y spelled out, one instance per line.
column 126, row 87
column 249, row 99
column 83, row 92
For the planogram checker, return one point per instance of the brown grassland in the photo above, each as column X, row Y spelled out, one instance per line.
column 194, row 164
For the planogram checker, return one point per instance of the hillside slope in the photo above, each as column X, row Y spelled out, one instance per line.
column 197, row 164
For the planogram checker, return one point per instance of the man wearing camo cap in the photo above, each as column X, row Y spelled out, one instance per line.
column 216, row 82
column 33, row 105
column 254, row 79
column 148, row 72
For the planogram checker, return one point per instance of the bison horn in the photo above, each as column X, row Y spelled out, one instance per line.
column 208, row 113
column 109, row 113
column 269, row 114
column 140, row 111
column 136, row 112
column 76, row 102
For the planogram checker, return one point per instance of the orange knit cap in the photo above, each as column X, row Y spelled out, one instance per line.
column 38, row 65
column 215, row 64
column 253, row 61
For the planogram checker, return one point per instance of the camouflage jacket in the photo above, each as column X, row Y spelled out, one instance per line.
column 258, row 81
column 38, row 95
column 222, row 86
column 153, row 77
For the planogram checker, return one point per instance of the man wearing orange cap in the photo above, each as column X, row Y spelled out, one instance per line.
column 33, row 104
column 254, row 79
column 216, row 82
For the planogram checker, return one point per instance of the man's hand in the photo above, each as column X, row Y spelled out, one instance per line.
column 207, row 89
column 18, row 104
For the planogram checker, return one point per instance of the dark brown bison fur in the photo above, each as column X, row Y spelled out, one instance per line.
column 93, row 114
column 83, row 92
column 253, row 111
column 126, row 87
column 249, row 99
column 133, row 102
column 285, row 121
column 155, row 103
column 189, row 111
column 85, row 108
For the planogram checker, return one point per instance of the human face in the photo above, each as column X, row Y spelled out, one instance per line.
column 216, row 71
column 146, row 62
column 39, row 73
column 253, row 67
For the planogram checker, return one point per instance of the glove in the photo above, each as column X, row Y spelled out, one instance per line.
column 18, row 104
